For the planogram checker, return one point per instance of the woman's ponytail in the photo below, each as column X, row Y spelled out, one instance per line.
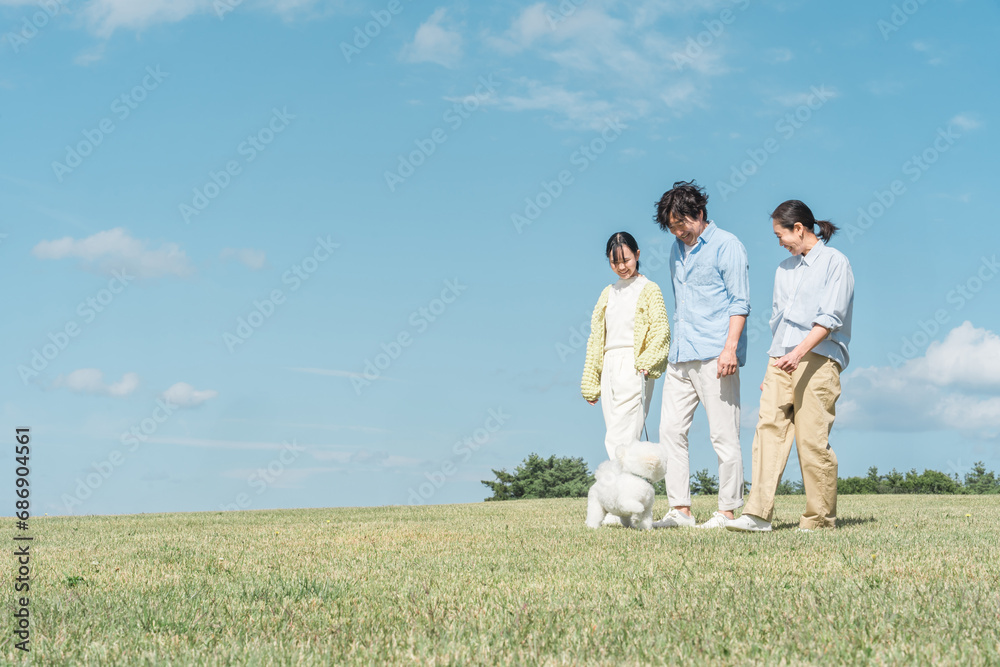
column 793, row 210
column 826, row 230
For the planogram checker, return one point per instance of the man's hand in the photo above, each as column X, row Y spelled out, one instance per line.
column 727, row 363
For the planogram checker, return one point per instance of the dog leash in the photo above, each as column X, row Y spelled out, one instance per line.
column 642, row 405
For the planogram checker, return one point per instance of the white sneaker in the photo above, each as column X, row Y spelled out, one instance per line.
column 675, row 519
column 611, row 520
column 748, row 523
column 718, row 520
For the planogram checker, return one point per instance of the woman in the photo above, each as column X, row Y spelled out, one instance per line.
column 811, row 328
column 628, row 344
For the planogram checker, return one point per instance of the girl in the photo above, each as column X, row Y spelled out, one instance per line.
column 811, row 326
column 628, row 344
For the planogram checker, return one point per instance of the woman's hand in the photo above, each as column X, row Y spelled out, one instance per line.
column 594, row 402
column 789, row 362
column 644, row 372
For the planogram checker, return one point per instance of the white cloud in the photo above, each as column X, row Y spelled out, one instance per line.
column 435, row 43
column 185, row 396
column 252, row 259
column 882, row 88
column 573, row 109
column 91, row 55
column 774, row 56
column 954, row 386
column 114, row 250
column 966, row 122
column 526, row 29
column 968, row 358
column 339, row 373
column 815, row 95
column 91, row 381
column 224, row 444
column 106, row 16
column 632, row 59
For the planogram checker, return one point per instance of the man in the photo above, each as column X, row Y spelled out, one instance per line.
column 711, row 285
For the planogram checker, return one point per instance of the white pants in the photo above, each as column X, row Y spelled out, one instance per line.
column 621, row 394
column 685, row 385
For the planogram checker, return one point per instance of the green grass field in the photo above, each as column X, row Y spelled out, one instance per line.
column 904, row 580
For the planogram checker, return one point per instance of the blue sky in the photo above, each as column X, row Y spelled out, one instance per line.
column 295, row 253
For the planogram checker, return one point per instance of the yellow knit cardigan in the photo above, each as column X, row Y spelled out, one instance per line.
column 651, row 334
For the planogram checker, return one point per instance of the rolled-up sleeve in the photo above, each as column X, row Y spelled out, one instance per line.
column 837, row 296
column 735, row 270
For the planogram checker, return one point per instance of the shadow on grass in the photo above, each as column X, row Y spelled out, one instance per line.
column 842, row 522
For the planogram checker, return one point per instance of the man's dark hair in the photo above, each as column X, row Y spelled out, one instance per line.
column 685, row 200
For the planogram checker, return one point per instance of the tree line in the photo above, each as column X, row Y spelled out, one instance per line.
column 568, row 477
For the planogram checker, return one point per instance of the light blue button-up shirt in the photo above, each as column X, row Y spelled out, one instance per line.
column 815, row 288
column 711, row 284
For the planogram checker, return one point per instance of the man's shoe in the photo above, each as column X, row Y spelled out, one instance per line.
column 675, row 519
column 748, row 523
column 718, row 520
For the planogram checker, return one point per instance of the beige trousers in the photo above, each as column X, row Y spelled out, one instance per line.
column 799, row 407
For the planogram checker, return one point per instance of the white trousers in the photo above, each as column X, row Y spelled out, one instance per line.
column 685, row 385
column 621, row 395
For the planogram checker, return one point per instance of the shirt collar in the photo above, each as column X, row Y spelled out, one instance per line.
column 816, row 251
column 704, row 237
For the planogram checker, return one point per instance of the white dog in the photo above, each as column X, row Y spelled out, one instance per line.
column 620, row 488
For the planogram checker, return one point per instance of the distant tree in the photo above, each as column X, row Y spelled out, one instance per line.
column 928, row 481
column 980, row 481
column 537, row 477
column 786, row 488
column 704, row 484
column 931, row 481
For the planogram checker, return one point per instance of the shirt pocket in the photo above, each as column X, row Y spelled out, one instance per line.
column 703, row 274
